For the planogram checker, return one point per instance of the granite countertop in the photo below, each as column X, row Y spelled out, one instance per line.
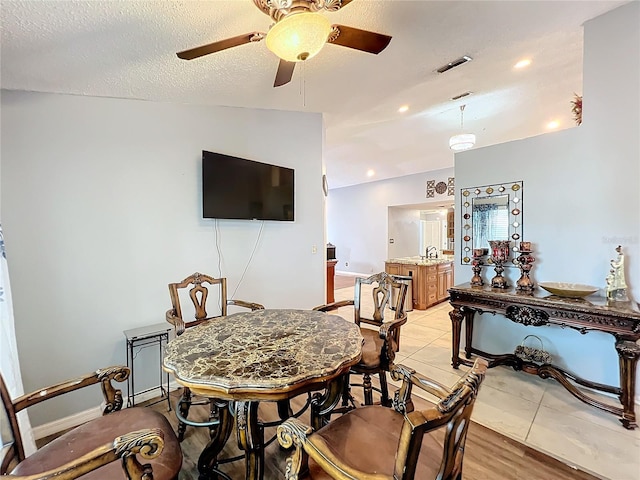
column 418, row 260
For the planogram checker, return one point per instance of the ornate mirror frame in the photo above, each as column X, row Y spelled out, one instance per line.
column 514, row 191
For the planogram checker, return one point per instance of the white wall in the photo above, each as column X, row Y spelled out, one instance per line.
column 357, row 222
column 581, row 194
column 581, row 197
column 404, row 229
column 101, row 208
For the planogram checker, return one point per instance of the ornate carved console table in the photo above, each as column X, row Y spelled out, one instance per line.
column 622, row 320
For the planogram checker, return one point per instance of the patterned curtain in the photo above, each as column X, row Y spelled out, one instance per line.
column 9, row 364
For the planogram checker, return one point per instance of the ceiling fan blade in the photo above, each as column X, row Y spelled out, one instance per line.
column 219, row 46
column 284, row 73
column 364, row 40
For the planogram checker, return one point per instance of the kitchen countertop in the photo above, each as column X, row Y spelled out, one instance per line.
column 418, row 260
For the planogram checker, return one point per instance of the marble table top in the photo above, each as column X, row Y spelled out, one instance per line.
column 265, row 351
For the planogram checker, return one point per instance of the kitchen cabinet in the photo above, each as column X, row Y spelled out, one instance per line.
column 445, row 280
column 430, row 279
column 450, row 225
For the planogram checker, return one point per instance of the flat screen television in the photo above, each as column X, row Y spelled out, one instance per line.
column 238, row 188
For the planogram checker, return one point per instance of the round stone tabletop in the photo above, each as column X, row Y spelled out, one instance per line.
column 263, row 352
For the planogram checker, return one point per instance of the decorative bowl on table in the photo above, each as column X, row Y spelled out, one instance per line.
column 571, row 290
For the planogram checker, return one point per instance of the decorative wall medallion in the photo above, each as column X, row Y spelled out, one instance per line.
column 451, row 183
column 441, row 187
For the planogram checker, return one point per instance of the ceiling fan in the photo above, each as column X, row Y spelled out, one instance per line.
column 299, row 33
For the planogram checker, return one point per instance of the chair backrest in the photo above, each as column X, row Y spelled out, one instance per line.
column 453, row 413
column 207, row 294
column 383, row 287
column 11, row 448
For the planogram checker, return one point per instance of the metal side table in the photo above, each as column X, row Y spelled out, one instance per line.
column 141, row 338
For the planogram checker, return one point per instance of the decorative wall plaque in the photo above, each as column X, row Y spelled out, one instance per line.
column 440, row 188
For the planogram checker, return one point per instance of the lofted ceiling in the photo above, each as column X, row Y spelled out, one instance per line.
column 127, row 49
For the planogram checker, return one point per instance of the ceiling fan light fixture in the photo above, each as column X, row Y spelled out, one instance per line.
column 299, row 36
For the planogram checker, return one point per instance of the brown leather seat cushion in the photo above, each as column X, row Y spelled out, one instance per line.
column 83, row 439
column 367, row 439
column 371, row 348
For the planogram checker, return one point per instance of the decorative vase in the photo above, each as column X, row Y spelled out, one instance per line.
column 500, row 251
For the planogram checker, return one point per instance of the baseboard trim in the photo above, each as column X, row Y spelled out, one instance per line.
column 61, row 424
column 353, row 274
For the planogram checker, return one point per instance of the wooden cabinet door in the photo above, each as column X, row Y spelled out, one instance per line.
column 450, row 225
column 393, row 268
column 417, row 296
column 431, row 285
column 445, row 280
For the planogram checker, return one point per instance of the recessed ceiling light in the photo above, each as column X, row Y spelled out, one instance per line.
column 523, row 63
column 370, row 173
column 403, row 108
column 553, row 124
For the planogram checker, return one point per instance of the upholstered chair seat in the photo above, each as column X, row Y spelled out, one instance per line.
column 87, row 437
column 135, row 444
column 381, row 443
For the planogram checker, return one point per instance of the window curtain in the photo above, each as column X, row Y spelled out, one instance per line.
column 9, row 363
column 486, row 224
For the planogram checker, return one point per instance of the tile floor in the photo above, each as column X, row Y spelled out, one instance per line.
column 539, row 413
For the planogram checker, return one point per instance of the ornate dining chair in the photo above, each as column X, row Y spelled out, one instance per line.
column 398, row 443
column 209, row 301
column 110, row 446
column 380, row 344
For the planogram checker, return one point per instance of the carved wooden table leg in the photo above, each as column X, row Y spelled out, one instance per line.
column 628, row 354
column 468, row 327
column 323, row 404
column 284, row 409
column 250, row 439
column 209, row 457
column 456, row 324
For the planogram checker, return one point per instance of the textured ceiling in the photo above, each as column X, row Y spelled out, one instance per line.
column 126, row 49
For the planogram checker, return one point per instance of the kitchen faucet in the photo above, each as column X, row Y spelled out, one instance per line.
column 431, row 249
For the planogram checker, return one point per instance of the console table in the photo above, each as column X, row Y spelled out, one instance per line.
column 593, row 313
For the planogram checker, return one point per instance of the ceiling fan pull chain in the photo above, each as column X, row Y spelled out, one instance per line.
column 303, row 84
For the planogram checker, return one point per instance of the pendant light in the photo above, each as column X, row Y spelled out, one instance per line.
column 462, row 141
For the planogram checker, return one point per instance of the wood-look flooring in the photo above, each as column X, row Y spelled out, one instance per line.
column 343, row 281
column 488, row 455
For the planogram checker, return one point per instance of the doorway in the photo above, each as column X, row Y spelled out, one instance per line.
column 412, row 228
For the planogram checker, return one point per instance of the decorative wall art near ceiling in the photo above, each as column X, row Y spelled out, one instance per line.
column 440, row 188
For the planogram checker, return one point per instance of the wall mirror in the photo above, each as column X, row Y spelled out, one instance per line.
column 491, row 212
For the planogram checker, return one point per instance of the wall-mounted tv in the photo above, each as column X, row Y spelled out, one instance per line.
column 238, row 188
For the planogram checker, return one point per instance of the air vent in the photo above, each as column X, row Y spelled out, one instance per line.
column 462, row 95
column 456, row 63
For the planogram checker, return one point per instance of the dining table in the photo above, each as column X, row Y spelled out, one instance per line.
column 266, row 355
